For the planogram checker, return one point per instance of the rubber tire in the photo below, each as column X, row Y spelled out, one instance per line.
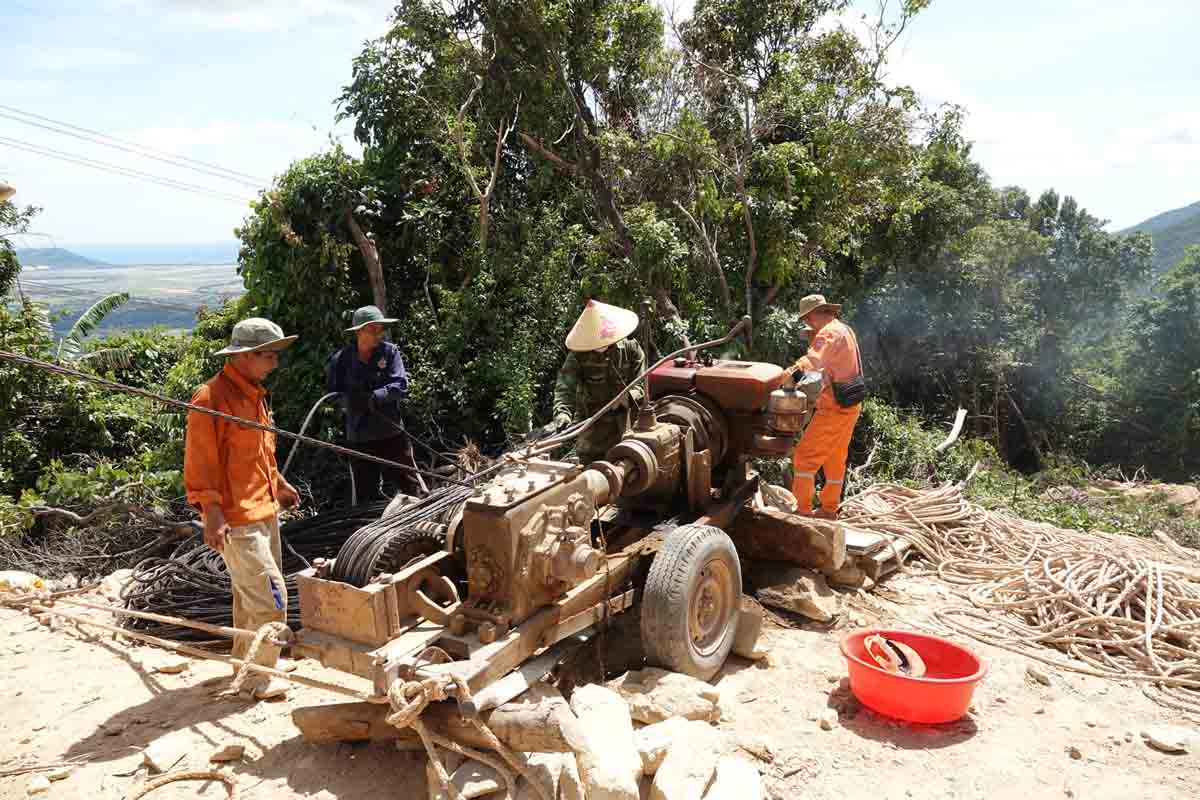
column 669, row 592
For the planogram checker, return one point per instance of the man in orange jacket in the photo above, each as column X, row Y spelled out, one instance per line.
column 231, row 477
column 832, row 351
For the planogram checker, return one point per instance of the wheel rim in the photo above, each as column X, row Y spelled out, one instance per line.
column 711, row 606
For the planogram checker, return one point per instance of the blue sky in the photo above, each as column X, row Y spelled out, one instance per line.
column 1087, row 97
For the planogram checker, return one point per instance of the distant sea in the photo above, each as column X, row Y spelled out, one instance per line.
column 134, row 254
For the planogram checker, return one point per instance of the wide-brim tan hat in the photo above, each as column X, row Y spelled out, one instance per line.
column 256, row 335
column 815, row 302
column 599, row 326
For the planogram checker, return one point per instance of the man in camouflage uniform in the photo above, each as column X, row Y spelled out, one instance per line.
column 602, row 362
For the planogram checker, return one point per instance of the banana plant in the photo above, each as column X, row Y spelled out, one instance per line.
column 70, row 347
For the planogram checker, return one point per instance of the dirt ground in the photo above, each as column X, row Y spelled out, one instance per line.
column 95, row 700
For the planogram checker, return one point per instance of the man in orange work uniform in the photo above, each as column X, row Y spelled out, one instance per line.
column 833, row 351
column 232, row 478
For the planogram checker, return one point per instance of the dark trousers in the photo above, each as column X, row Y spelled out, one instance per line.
column 367, row 474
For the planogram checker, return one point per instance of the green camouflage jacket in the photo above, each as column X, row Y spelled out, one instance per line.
column 587, row 381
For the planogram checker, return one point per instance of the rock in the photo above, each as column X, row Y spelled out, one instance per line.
column 113, row 583
column 750, row 622
column 546, row 770
column 229, row 752
column 771, row 496
column 570, row 785
column 794, row 589
column 828, row 719
column 655, row 694
column 114, row 729
column 653, row 742
column 849, row 576
column 689, row 765
column 1074, row 752
column 474, row 779
column 59, row 773
column 166, row 751
column 608, row 760
column 37, row 785
column 174, row 667
column 736, row 779
column 1168, row 738
column 1038, row 674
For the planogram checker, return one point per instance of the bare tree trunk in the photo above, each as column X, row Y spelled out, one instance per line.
column 711, row 252
column 370, row 254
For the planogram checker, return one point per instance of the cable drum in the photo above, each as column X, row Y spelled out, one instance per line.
column 364, row 555
column 193, row 582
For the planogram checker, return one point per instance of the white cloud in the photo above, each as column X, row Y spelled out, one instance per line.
column 273, row 15
column 74, row 59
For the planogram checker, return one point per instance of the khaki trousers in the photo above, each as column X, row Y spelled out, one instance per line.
column 253, row 556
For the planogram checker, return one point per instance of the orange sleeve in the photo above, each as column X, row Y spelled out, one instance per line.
column 202, row 473
column 820, row 351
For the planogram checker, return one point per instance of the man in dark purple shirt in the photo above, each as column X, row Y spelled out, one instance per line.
column 372, row 380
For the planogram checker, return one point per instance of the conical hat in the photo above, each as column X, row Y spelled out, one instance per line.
column 6, row 191
column 599, row 326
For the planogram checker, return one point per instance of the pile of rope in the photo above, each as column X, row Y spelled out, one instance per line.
column 193, row 582
column 1116, row 607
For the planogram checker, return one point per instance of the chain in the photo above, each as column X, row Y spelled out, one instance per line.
column 149, row 395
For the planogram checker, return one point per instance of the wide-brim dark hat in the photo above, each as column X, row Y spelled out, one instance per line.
column 365, row 316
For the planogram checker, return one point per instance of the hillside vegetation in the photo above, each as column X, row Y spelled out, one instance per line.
column 1173, row 232
column 521, row 157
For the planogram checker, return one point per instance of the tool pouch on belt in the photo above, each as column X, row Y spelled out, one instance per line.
column 850, row 394
column 854, row 391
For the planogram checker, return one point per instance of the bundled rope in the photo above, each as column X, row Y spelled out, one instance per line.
column 1119, row 607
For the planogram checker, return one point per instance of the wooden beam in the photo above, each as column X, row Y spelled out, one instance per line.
column 525, row 727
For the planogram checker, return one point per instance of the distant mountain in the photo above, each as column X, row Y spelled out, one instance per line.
column 1173, row 232
column 54, row 257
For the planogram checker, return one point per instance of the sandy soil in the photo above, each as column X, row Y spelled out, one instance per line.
column 69, row 698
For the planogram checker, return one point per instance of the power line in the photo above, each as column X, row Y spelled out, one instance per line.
column 125, row 144
column 170, row 161
column 128, row 172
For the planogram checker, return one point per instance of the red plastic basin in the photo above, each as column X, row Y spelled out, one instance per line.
column 941, row 695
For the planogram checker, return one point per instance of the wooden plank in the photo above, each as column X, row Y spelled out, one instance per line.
column 335, row 652
column 885, row 561
column 360, row 615
column 860, row 542
column 771, row 534
column 418, row 635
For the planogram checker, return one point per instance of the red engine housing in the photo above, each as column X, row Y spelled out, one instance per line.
column 732, row 385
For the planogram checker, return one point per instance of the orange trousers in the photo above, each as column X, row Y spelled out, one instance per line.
column 824, row 445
